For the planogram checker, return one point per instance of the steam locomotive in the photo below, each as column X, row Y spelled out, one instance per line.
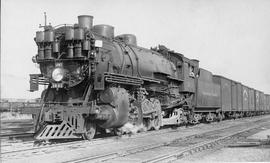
column 98, row 82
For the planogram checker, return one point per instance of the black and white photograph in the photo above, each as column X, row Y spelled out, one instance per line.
column 135, row 81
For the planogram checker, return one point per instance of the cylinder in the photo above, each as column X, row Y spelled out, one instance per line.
column 86, row 45
column 39, row 36
column 104, row 30
column 69, row 34
column 85, row 21
column 48, row 52
column 70, row 51
column 118, row 115
column 40, row 52
column 56, row 47
column 78, row 50
column 128, row 39
column 49, row 36
column 78, row 34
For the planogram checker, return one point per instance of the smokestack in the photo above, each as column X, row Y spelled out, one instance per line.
column 85, row 21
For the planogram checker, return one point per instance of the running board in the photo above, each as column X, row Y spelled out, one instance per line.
column 57, row 131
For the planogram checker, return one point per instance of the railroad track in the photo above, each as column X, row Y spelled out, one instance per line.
column 16, row 129
column 15, row 126
column 16, row 135
column 35, row 145
column 124, row 154
column 32, row 145
column 205, row 145
column 109, row 156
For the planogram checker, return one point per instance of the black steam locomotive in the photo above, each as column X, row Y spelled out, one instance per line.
column 99, row 82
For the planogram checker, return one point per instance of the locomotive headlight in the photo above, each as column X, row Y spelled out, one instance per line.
column 58, row 74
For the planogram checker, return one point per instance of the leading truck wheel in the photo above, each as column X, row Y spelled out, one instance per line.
column 90, row 130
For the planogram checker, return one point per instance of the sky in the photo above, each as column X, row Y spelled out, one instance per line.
column 229, row 37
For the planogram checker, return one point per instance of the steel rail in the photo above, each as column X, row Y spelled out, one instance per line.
column 16, row 135
column 200, row 146
column 126, row 152
column 138, row 149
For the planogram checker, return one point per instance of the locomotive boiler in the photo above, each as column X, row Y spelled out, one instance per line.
column 98, row 82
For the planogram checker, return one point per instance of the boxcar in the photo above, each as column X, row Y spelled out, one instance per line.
column 245, row 98
column 257, row 100
column 268, row 102
column 234, row 95
column 251, row 99
column 225, row 92
column 239, row 97
column 262, row 102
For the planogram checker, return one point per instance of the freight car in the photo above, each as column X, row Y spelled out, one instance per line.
column 98, row 81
